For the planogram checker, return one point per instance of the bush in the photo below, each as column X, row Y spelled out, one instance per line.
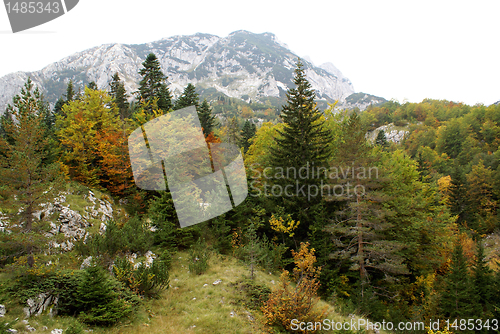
column 101, row 300
column 164, row 219
column 199, row 254
column 256, row 294
column 222, row 235
column 300, row 302
column 147, row 280
column 133, row 236
column 74, row 328
column 258, row 250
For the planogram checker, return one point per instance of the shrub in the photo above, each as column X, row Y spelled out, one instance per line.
column 199, row 254
column 222, row 235
column 133, row 236
column 289, row 302
column 74, row 328
column 164, row 218
column 101, row 300
column 258, row 250
column 256, row 294
column 147, row 280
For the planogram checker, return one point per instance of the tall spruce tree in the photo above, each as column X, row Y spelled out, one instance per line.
column 188, row 98
column 207, row 120
column 360, row 229
column 483, row 279
column 458, row 289
column 153, row 84
column 119, row 95
column 70, row 92
column 247, row 133
column 26, row 180
column 303, row 143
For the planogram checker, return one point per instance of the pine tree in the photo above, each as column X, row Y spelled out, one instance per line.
column 459, row 201
column 458, row 291
column 70, row 92
column 153, row 84
column 165, row 99
column 92, row 85
column 188, row 98
column 381, row 139
column 58, row 106
column 98, row 301
column 303, row 143
column 119, row 95
column 247, row 133
column 207, row 120
column 483, row 280
column 26, row 179
column 359, row 232
column 233, row 131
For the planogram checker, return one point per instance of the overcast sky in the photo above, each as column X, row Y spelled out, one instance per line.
column 406, row 50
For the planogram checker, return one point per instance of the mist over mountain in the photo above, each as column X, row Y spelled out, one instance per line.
column 242, row 65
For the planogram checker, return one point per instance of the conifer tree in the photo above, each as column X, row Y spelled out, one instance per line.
column 70, row 92
column 459, row 201
column 247, row 133
column 207, row 120
column 153, row 84
column 92, row 85
column 26, row 178
column 359, row 231
column 458, row 290
column 119, row 95
column 58, row 106
column 303, row 143
column 483, row 280
column 381, row 139
column 164, row 99
column 188, row 98
column 233, row 131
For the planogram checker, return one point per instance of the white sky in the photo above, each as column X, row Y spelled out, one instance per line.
column 407, row 50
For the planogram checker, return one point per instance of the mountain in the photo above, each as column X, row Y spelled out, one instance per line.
column 360, row 101
column 242, row 65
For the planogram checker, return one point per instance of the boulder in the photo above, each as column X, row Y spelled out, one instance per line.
column 39, row 304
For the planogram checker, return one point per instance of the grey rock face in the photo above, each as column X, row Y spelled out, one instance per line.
column 39, row 304
column 241, row 65
column 392, row 133
column 70, row 222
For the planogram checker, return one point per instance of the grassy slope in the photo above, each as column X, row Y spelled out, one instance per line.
column 216, row 309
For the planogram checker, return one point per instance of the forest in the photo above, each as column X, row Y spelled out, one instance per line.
column 391, row 232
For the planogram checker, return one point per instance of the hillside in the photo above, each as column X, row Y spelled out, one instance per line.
column 221, row 300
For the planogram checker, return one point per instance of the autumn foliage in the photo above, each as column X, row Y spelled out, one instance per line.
column 296, row 297
column 94, row 142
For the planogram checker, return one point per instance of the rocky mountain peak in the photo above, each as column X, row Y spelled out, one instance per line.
column 242, row 65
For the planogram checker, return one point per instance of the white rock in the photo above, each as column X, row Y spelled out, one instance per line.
column 56, row 331
column 86, row 263
column 2, row 310
column 217, row 282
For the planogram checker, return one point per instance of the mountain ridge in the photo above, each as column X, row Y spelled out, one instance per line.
column 241, row 65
